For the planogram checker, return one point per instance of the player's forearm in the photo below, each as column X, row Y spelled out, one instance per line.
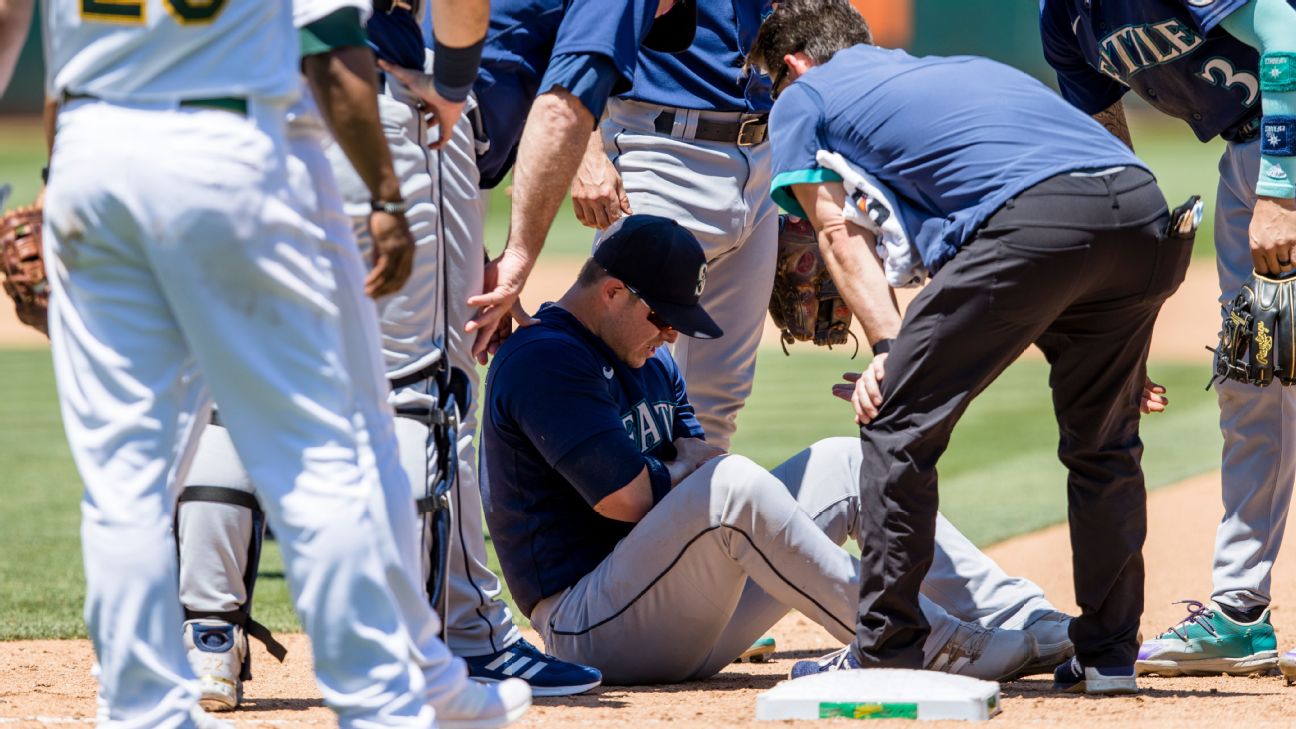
column 346, row 88
column 1270, row 27
column 553, row 143
column 1113, row 119
column 49, row 119
column 15, row 19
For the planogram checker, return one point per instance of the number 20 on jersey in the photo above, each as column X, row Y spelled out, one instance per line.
column 131, row 12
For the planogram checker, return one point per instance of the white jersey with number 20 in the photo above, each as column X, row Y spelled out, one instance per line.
column 159, row 51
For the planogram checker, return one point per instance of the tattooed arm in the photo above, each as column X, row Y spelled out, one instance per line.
column 1113, row 118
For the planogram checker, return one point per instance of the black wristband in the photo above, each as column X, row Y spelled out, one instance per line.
column 45, row 174
column 882, row 346
column 658, row 477
column 455, row 69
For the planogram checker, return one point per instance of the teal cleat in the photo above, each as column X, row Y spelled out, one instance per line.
column 1207, row 643
column 762, row 651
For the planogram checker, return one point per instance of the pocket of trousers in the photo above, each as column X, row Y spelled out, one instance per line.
column 1032, row 282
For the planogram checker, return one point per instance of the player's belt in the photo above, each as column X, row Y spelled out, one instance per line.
column 748, row 130
column 232, row 104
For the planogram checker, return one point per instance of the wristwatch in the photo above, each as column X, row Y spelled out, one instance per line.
column 391, row 207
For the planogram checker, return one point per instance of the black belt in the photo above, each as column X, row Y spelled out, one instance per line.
column 1242, row 132
column 413, row 378
column 748, row 130
column 232, row 104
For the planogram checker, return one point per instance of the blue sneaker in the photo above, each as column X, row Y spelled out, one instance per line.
column 547, row 675
column 839, row 660
column 1074, row 678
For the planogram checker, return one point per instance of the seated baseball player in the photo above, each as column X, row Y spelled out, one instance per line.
column 635, row 546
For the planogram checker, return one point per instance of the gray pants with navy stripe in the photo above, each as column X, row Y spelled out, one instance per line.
column 1258, row 423
column 730, row 550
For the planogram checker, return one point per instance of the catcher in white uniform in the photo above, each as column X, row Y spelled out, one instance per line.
column 220, row 284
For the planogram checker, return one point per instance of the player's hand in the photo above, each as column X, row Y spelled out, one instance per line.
column 598, row 196
column 501, row 285
column 865, row 394
column 1273, row 235
column 504, row 330
column 1153, row 399
column 690, row 455
column 440, row 112
column 393, row 252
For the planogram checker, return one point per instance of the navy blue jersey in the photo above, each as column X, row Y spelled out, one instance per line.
column 566, row 423
column 1172, row 53
column 709, row 74
column 952, row 138
column 396, row 38
column 600, row 37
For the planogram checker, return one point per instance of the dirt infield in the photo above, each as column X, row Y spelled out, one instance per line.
column 44, row 683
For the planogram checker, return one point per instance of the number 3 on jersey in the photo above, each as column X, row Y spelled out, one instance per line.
column 1220, row 71
column 131, row 12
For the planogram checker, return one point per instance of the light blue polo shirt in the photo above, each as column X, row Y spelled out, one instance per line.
column 953, row 138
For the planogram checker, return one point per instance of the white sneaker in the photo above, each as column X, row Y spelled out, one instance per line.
column 484, row 705
column 1052, row 642
column 991, row 654
column 216, row 650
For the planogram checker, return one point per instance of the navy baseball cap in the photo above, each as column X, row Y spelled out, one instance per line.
column 663, row 263
column 673, row 31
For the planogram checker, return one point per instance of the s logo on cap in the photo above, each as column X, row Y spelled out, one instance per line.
column 701, row 281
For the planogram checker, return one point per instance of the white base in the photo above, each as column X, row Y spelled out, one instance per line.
column 881, row 693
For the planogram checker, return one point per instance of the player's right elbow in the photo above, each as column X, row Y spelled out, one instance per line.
column 629, row 503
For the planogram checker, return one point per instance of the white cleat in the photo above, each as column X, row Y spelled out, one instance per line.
column 990, row 654
column 216, row 649
column 484, row 705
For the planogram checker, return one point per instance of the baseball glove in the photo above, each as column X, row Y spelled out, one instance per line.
column 24, row 271
column 1258, row 336
column 805, row 303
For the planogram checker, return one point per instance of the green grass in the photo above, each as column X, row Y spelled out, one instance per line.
column 999, row 478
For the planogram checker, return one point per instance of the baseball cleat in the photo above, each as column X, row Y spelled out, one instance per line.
column 1287, row 664
column 839, row 660
column 547, row 675
column 484, row 705
column 216, row 650
column 1052, row 642
column 1105, row 681
column 990, row 654
column 762, row 651
column 1208, row 642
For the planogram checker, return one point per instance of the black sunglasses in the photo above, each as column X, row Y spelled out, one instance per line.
column 653, row 318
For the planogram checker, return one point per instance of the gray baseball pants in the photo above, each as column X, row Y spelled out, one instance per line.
column 1258, row 423
column 720, row 192
column 728, row 552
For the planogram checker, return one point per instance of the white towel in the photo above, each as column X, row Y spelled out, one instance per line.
column 870, row 205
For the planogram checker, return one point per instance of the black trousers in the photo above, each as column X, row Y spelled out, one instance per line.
column 1079, row 266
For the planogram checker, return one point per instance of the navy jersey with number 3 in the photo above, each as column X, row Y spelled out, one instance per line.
column 1172, row 53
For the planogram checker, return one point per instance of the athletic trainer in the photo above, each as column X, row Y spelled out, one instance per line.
column 1038, row 227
